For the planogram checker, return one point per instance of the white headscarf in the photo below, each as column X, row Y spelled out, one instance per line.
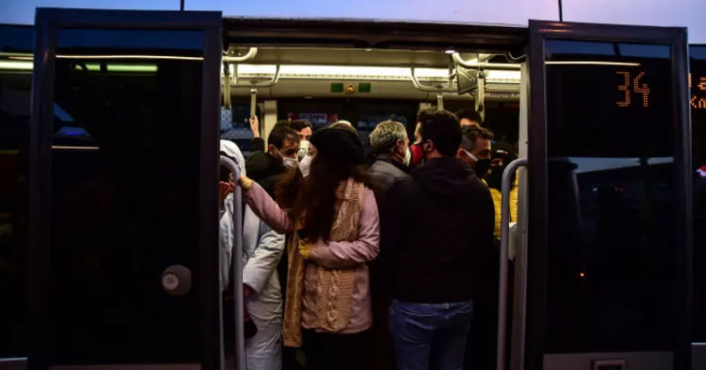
column 231, row 150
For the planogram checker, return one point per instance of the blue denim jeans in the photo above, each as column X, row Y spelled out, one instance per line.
column 430, row 336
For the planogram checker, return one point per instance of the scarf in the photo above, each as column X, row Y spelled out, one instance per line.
column 334, row 293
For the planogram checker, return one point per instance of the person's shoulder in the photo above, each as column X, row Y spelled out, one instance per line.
column 404, row 184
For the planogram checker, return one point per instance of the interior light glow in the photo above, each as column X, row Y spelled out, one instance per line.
column 592, row 63
column 341, row 72
column 95, row 67
column 65, row 147
column 157, row 57
column 16, row 65
column 500, row 76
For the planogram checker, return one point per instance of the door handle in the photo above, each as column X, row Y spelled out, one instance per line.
column 176, row 280
column 504, row 251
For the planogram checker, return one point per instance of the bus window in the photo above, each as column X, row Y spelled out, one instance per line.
column 15, row 96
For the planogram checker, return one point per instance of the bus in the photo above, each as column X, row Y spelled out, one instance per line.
column 109, row 127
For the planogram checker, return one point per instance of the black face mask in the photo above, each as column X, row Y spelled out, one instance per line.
column 495, row 177
column 482, row 167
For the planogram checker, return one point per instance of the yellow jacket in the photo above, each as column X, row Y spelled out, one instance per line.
column 497, row 200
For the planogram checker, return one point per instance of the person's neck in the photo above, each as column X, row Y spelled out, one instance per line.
column 434, row 154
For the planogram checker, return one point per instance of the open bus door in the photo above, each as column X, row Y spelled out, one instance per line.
column 609, row 233
column 123, row 211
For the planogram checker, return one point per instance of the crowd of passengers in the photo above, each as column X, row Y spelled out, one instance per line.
column 369, row 267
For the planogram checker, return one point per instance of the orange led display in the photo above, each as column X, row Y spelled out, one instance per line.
column 643, row 89
column 626, row 88
column 698, row 102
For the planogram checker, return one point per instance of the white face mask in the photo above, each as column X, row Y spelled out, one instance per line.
column 407, row 157
column 305, row 165
column 291, row 162
column 288, row 162
column 303, row 149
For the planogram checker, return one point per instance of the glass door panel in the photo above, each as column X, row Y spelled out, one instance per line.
column 608, row 244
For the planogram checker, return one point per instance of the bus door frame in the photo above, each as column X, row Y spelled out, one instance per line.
column 676, row 38
column 48, row 23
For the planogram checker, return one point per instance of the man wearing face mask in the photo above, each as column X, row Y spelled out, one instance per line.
column 390, row 143
column 436, row 230
column 281, row 153
column 392, row 156
column 475, row 149
column 304, row 131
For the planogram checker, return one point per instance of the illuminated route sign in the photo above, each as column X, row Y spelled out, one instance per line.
column 606, row 92
column 698, row 91
column 631, row 84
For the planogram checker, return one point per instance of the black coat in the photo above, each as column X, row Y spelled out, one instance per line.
column 383, row 173
column 265, row 170
column 436, row 232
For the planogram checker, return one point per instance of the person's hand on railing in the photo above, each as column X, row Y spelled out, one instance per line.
column 224, row 188
column 245, row 182
column 255, row 126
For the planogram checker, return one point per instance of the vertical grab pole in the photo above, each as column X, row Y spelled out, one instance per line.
column 504, row 246
column 253, row 103
column 439, row 101
column 236, row 277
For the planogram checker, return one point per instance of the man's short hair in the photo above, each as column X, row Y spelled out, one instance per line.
column 471, row 134
column 386, row 135
column 469, row 114
column 280, row 133
column 442, row 128
column 300, row 124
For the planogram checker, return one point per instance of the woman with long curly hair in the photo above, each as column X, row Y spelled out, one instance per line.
column 332, row 219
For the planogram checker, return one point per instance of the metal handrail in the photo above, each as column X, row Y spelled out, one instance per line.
column 457, row 58
column 504, row 251
column 439, row 88
column 252, row 52
column 236, row 277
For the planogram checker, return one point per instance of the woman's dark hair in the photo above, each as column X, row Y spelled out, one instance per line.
column 312, row 200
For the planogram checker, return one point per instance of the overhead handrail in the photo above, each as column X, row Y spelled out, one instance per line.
column 480, row 64
column 254, row 84
column 257, row 83
column 438, row 88
column 506, row 186
column 236, row 273
column 252, row 52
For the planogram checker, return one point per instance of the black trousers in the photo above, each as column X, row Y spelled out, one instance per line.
column 325, row 351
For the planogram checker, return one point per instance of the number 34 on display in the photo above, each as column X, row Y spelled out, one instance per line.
column 637, row 88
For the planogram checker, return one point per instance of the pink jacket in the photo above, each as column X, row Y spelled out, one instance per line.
column 331, row 255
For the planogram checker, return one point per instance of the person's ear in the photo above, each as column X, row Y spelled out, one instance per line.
column 460, row 154
column 272, row 150
column 428, row 146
